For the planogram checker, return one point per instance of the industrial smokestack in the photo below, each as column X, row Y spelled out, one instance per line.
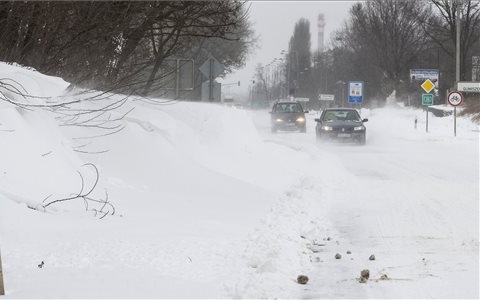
column 321, row 26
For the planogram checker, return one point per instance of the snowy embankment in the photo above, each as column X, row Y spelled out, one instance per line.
column 209, row 204
column 192, row 185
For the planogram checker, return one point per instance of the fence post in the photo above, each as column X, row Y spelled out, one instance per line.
column 2, row 288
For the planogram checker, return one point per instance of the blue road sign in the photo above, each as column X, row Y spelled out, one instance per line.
column 355, row 92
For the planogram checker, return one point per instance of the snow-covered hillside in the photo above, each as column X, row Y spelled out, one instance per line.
column 204, row 202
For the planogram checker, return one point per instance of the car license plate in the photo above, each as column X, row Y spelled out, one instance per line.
column 344, row 135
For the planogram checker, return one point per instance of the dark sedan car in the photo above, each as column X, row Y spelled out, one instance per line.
column 288, row 115
column 343, row 124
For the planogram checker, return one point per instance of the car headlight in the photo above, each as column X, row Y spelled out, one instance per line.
column 358, row 128
column 278, row 120
column 301, row 119
column 327, row 128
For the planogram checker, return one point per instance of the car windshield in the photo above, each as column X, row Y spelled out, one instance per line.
column 288, row 107
column 341, row 115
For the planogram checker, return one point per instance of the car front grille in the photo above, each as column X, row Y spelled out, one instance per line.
column 343, row 130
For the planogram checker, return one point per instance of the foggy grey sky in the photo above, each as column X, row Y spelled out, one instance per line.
column 274, row 21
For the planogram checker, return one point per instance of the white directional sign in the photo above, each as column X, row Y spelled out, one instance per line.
column 326, row 97
column 455, row 98
column 302, row 99
column 469, row 87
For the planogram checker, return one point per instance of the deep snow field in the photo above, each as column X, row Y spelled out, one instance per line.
column 209, row 204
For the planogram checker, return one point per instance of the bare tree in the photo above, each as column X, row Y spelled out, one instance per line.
column 118, row 45
column 440, row 28
column 381, row 41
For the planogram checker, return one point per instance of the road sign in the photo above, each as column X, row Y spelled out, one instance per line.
column 468, row 87
column 326, row 97
column 423, row 74
column 355, row 91
column 211, row 68
column 302, row 99
column 427, row 99
column 177, row 74
column 428, row 85
column 455, row 98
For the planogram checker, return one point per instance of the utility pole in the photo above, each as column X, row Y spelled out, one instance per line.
column 458, row 22
column 457, row 48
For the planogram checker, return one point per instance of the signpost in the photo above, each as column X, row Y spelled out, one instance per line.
column 211, row 68
column 428, row 85
column 211, row 90
column 455, row 99
column 302, row 99
column 468, row 87
column 423, row 74
column 326, row 97
column 429, row 79
column 355, row 92
column 177, row 75
column 427, row 99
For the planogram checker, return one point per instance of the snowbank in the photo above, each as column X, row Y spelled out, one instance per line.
column 210, row 204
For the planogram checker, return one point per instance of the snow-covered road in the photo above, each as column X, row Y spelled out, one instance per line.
column 408, row 197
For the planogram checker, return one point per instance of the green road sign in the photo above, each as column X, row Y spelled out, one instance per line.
column 427, row 99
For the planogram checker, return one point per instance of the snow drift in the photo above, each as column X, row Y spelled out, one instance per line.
column 209, row 204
